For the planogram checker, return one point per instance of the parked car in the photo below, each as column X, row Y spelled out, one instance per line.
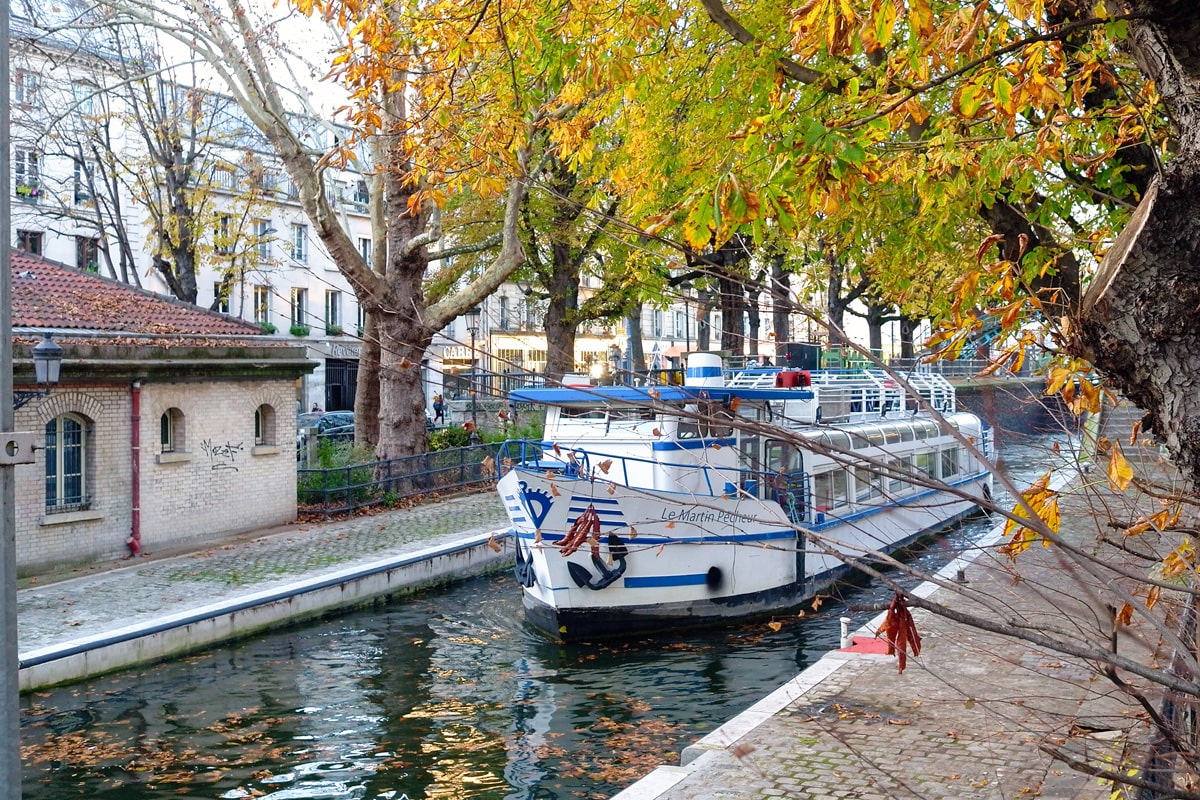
column 336, row 426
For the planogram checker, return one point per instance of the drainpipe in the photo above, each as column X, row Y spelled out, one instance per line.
column 134, row 542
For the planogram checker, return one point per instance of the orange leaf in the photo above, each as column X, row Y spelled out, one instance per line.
column 1120, row 474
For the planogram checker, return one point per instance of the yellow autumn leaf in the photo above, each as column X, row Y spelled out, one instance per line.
column 1043, row 502
column 1151, row 598
column 1120, row 474
column 920, row 16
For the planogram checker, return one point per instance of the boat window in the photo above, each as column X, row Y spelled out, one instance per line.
column 906, row 433
column 893, row 434
column 582, row 412
column 754, row 411
column 687, row 429
column 829, row 490
column 715, row 421
column 926, row 429
column 949, row 462
column 859, row 440
column 874, row 435
column 924, row 462
column 838, row 440
column 631, row 412
column 782, row 456
column 866, row 484
column 895, row 479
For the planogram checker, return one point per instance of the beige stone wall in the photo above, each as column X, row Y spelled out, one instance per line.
column 217, row 480
column 99, row 531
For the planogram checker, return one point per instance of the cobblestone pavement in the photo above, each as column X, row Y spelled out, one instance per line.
column 975, row 716
column 122, row 593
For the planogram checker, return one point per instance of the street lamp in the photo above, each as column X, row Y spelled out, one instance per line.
column 472, row 320
column 47, row 364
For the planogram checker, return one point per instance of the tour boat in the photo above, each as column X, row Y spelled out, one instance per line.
column 736, row 495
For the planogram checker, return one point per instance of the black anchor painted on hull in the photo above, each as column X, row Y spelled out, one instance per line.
column 617, row 551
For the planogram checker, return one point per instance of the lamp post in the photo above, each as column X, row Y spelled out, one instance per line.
column 472, row 319
column 10, row 685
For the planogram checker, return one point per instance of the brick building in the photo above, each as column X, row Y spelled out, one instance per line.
column 169, row 423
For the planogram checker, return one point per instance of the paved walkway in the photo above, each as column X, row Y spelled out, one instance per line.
column 60, row 608
column 976, row 715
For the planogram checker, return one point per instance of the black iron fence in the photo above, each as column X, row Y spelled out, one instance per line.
column 339, row 490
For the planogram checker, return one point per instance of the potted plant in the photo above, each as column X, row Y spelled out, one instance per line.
column 300, row 330
column 267, row 327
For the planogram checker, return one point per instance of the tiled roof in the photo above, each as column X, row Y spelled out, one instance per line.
column 46, row 294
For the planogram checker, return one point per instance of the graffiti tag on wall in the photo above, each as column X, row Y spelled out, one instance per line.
column 222, row 456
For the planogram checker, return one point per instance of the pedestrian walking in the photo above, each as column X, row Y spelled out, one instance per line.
column 439, row 410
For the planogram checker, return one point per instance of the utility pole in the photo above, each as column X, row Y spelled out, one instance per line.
column 10, row 685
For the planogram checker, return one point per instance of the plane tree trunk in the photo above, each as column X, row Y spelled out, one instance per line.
column 1138, row 322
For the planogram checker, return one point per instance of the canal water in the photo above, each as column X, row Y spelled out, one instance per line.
column 443, row 695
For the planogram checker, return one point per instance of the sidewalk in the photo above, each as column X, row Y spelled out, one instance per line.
column 971, row 717
column 115, row 600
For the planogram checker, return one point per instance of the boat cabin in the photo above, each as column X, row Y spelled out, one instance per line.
column 764, row 433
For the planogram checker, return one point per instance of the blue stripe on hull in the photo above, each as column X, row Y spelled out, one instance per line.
column 654, row 581
column 645, row 540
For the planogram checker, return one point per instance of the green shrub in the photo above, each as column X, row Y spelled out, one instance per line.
column 531, row 430
column 445, row 438
column 300, row 330
column 267, row 327
column 345, row 466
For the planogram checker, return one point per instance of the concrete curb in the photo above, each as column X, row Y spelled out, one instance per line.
column 183, row 632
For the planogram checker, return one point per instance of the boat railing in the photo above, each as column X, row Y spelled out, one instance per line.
column 855, row 395
column 934, row 388
column 789, row 489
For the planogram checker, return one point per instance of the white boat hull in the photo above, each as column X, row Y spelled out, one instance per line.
column 660, row 560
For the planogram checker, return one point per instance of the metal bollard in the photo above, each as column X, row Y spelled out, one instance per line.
column 847, row 640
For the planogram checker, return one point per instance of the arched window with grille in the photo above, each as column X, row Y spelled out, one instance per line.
column 66, row 463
